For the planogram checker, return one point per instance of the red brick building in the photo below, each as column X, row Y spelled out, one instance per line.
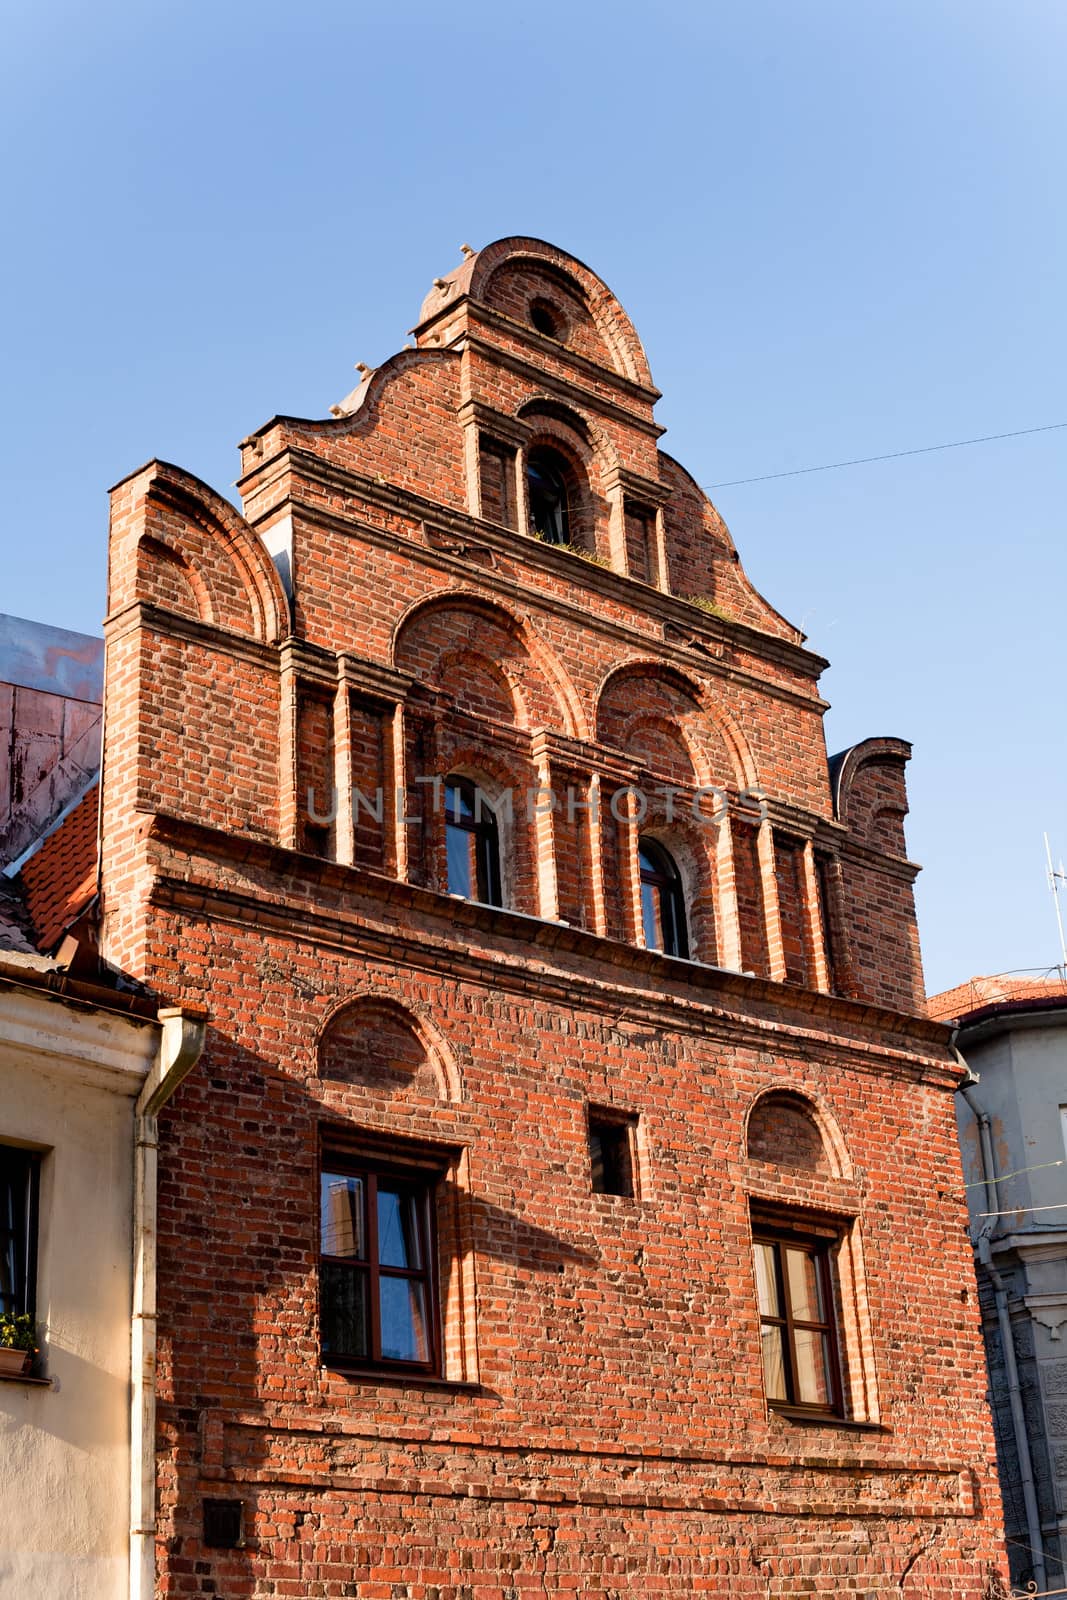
column 566, row 1044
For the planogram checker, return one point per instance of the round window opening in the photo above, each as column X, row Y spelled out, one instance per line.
column 546, row 319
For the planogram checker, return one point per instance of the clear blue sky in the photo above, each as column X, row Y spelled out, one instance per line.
column 839, row 229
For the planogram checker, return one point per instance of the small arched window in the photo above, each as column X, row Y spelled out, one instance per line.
column 662, row 901
column 548, row 494
column 472, row 843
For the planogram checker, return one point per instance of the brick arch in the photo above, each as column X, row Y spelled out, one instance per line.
column 624, row 349
column 176, row 524
column 521, row 283
column 505, row 777
column 458, row 621
column 165, row 575
column 692, row 848
column 478, row 685
column 795, row 1130
column 869, row 792
column 589, row 453
column 660, row 744
column 649, row 689
column 370, row 1042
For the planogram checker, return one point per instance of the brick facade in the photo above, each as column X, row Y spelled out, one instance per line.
column 596, row 1422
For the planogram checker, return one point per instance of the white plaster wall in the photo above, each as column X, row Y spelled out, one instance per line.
column 64, row 1451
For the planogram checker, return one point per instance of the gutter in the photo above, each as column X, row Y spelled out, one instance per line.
column 179, row 1051
column 1007, row 1341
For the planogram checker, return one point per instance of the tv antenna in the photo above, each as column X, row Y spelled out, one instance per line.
column 1057, row 877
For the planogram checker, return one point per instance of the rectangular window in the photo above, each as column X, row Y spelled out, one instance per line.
column 377, row 1283
column 19, row 1189
column 795, row 1295
column 612, row 1163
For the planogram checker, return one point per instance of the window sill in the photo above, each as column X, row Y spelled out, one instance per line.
column 820, row 1419
column 25, row 1377
column 406, row 1380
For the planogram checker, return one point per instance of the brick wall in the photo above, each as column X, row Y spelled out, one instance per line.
column 597, row 1422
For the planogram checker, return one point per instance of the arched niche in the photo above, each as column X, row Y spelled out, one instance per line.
column 374, row 1045
column 168, row 579
column 177, row 544
column 480, row 658
column 659, row 716
column 788, row 1131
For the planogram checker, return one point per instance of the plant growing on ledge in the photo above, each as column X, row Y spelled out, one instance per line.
column 712, row 608
column 18, row 1343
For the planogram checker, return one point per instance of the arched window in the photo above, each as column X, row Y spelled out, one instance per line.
column 662, row 901
column 472, row 843
column 546, row 486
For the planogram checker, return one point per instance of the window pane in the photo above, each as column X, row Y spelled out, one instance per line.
column 650, row 916
column 404, row 1333
column 813, row 1367
column 488, row 851
column 343, row 1310
column 398, row 1228
column 458, row 807
column 459, row 846
column 343, row 1218
column 766, row 1281
column 674, row 939
column 773, row 1363
column 805, row 1290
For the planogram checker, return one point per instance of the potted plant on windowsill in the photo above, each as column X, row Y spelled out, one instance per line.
column 18, row 1344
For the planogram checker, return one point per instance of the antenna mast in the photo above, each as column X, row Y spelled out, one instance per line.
column 1056, row 877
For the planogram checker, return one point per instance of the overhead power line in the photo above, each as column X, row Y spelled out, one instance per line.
column 892, row 455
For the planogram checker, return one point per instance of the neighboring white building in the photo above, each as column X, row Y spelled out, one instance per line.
column 1013, row 1132
column 81, row 1077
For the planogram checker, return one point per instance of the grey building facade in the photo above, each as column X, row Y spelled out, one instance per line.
column 1013, row 1132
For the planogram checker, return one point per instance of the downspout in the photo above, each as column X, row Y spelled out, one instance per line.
column 1007, row 1342
column 179, row 1051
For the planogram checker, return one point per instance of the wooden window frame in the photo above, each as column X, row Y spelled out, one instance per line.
column 421, row 1178
column 819, row 1241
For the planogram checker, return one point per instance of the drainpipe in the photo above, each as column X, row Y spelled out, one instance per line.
column 179, row 1051
column 1007, row 1342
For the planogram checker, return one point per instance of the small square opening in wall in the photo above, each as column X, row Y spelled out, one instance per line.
column 224, row 1524
column 612, row 1152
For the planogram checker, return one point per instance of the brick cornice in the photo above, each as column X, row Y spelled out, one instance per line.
column 490, row 317
column 507, row 429
column 143, row 614
column 566, row 390
column 722, row 1006
column 711, row 631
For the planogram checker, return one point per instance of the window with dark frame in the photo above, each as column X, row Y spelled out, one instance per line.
column 798, row 1332
column 662, row 901
column 612, row 1164
column 377, row 1279
column 19, row 1194
column 472, row 843
column 548, row 495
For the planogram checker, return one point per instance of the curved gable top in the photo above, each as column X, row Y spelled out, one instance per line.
column 846, row 766
column 189, row 504
column 471, row 279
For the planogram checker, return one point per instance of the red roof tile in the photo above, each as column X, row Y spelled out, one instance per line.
column 59, row 879
column 987, row 994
